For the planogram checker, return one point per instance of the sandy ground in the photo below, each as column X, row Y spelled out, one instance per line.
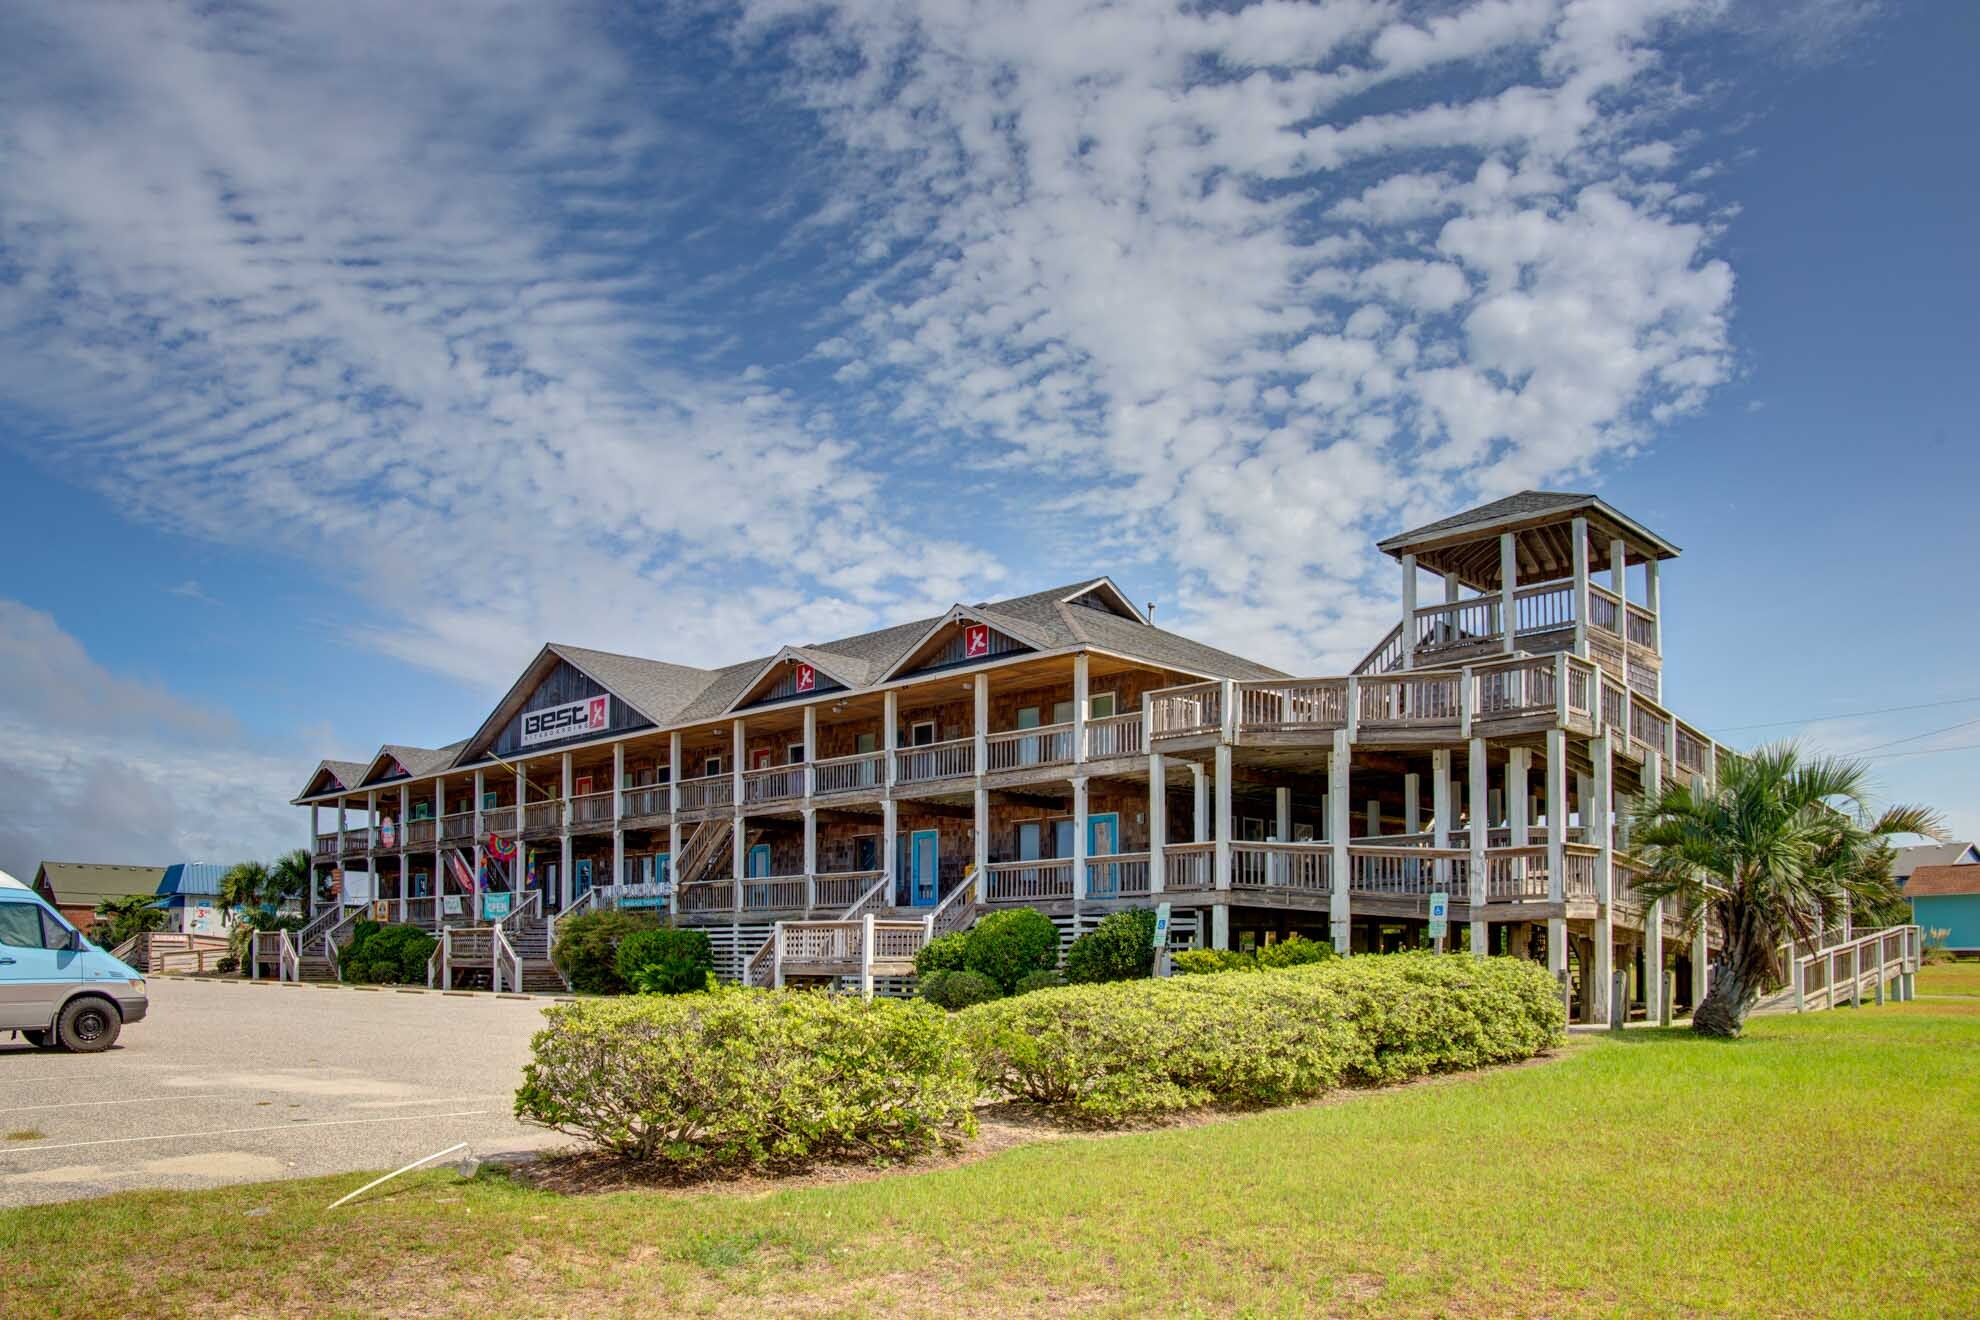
column 228, row 1082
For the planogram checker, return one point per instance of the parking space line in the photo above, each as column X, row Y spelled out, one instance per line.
column 269, row 1127
column 147, row 1100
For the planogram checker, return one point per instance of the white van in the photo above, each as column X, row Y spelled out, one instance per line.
column 56, row 988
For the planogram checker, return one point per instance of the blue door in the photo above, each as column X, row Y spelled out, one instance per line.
column 36, row 964
column 925, row 888
column 1103, row 839
column 758, row 863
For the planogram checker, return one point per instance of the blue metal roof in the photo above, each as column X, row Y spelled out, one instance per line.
column 199, row 879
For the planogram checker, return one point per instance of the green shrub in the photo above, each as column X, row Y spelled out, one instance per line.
column 386, row 955
column 944, row 953
column 1292, row 951
column 1133, row 1049
column 953, row 990
column 1038, row 981
column 1005, row 945
column 665, row 961
column 587, row 951
column 1199, row 962
column 1120, row 948
column 745, row 1078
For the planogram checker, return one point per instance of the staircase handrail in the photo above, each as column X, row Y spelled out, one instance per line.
column 1393, row 639
column 584, row 902
column 520, row 912
column 762, row 958
column 1827, row 956
column 288, row 964
column 949, row 914
column 865, row 900
column 333, row 941
column 500, row 949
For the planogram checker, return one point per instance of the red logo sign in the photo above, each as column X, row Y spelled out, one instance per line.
column 976, row 641
column 807, row 678
column 594, row 715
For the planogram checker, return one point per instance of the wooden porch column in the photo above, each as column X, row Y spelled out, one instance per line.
column 1409, row 612
column 810, row 750
column 738, row 837
column 1480, row 833
column 1519, row 796
column 1619, row 583
column 340, row 843
column 1282, row 814
column 889, row 809
column 1158, row 821
column 1220, row 819
column 1653, row 917
column 480, row 834
column 1556, row 848
column 521, row 863
column 981, row 842
column 618, row 823
column 1580, row 535
column 405, row 810
column 1653, row 601
column 981, row 759
column 309, row 894
column 566, row 882
column 673, row 817
column 1596, row 818
column 890, row 734
column 1199, row 787
column 1079, row 845
column 810, row 857
column 1508, row 584
column 1339, row 786
column 1412, row 803
column 1079, row 706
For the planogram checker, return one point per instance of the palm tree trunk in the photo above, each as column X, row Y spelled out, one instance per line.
column 1737, row 981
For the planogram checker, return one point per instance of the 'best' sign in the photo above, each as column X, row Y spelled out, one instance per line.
column 569, row 720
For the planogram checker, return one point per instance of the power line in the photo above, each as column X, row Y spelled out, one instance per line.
column 1848, row 715
column 1932, row 733
column 1925, row 751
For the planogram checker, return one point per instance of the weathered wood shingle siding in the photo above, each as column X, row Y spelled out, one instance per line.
column 566, row 683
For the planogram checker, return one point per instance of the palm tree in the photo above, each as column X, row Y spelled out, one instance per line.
column 289, row 876
column 133, row 914
column 1781, row 845
column 246, row 885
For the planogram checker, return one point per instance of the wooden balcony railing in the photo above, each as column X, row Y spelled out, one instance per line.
column 708, row 792
column 457, row 827
column 1298, row 867
column 838, row 890
column 1516, row 875
column 706, row 896
column 932, row 762
column 1193, row 708
column 1416, row 872
column 773, row 893
column 1188, row 866
column 1412, row 697
column 864, row 772
column 1292, row 706
column 419, row 833
column 1477, row 622
column 1114, row 735
column 498, row 820
column 1518, row 689
column 780, row 783
column 648, row 800
column 543, row 817
column 1024, row 749
column 1117, row 875
column 1579, row 880
column 592, row 809
column 1009, row 882
column 326, row 845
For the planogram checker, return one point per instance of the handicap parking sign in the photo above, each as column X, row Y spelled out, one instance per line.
column 1440, row 910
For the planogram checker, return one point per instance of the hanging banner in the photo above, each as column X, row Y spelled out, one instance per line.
column 387, row 833
column 570, row 720
column 976, row 641
column 807, row 678
column 501, row 849
column 494, row 907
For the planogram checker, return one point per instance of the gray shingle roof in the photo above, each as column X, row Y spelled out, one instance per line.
column 656, row 689
column 1525, row 504
column 1910, row 859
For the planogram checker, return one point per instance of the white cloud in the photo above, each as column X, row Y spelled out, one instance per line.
column 98, row 767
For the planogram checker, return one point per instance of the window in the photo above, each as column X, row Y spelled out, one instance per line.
column 1027, row 717
column 797, row 753
column 921, row 733
column 664, row 775
column 759, row 758
column 1253, row 829
column 26, row 926
column 1062, row 837
column 1062, row 712
column 1100, row 705
column 1029, row 839
column 712, row 766
column 864, row 743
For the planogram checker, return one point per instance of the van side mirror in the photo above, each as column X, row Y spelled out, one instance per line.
column 76, row 941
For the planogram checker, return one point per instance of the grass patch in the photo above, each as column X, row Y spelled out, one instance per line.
column 1822, row 1164
column 1950, row 978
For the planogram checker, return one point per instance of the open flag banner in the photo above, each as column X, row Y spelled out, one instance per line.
column 501, row 851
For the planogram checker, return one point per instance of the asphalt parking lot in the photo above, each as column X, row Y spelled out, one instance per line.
column 230, row 1082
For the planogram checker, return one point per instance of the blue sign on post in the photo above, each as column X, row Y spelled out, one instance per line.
column 1440, row 911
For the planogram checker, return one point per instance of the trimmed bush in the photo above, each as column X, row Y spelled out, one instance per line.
column 1120, row 948
column 587, row 951
column 665, row 961
column 386, row 955
column 959, row 989
column 1110, row 1053
column 1038, row 981
column 1005, row 945
column 944, row 953
column 748, row 1078
column 1293, row 951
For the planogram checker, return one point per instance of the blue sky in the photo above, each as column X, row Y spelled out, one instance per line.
column 347, row 356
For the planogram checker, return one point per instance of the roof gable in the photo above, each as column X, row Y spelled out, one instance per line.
column 91, row 882
column 333, row 777
column 796, row 672
column 966, row 635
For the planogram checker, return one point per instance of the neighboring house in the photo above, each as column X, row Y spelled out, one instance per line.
column 1948, row 898
column 75, row 888
column 190, row 894
column 1910, row 859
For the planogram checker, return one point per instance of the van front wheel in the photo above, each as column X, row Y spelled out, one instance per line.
column 88, row 1026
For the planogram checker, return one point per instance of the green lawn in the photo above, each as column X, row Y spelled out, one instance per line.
column 1960, row 978
column 1823, row 1165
